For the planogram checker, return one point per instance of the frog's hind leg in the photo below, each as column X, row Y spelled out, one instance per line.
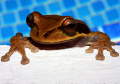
column 100, row 55
column 100, row 46
column 6, row 57
column 91, row 48
column 21, row 50
column 112, row 51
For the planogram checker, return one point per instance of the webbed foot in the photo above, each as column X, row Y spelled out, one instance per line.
column 100, row 57
column 34, row 49
column 19, row 43
column 114, row 53
column 89, row 50
column 5, row 58
column 25, row 61
column 101, row 41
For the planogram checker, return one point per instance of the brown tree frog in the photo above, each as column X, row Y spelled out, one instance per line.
column 58, row 32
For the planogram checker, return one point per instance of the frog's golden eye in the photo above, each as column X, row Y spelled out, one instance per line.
column 69, row 26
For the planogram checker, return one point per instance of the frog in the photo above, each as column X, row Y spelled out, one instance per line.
column 51, row 32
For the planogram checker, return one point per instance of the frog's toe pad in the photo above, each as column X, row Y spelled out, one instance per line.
column 114, row 53
column 25, row 61
column 100, row 57
column 34, row 50
column 5, row 58
column 89, row 51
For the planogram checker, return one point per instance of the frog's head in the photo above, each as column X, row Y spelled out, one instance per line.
column 52, row 29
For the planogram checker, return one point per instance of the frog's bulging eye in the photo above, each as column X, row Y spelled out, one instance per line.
column 69, row 26
column 30, row 20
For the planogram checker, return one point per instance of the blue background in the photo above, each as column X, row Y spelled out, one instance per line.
column 100, row 15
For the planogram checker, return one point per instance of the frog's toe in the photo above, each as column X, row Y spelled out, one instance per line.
column 89, row 51
column 25, row 61
column 100, row 57
column 5, row 58
column 34, row 50
column 114, row 53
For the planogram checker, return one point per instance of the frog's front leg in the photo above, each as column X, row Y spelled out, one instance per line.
column 18, row 43
column 21, row 50
column 6, row 57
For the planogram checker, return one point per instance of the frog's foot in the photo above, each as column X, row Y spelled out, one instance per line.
column 5, row 58
column 113, row 53
column 100, row 57
column 25, row 61
column 34, row 49
column 31, row 47
column 89, row 50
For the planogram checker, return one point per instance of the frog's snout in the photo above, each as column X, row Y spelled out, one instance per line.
column 30, row 20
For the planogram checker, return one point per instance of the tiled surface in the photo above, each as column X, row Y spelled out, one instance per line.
column 9, row 18
column 98, row 6
column 85, row 13
column 54, row 7
column 112, row 3
column 114, row 30
column 8, row 33
column 100, row 15
column 23, row 13
column 9, row 4
column 112, row 15
column 69, row 3
column 97, row 20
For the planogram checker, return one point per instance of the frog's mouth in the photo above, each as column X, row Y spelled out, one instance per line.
column 54, row 36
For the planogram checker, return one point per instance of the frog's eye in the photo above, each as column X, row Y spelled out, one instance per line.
column 30, row 20
column 69, row 26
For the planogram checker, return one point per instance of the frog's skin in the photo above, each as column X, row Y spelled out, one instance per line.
column 58, row 32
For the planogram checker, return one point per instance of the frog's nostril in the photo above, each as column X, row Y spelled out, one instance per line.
column 30, row 20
